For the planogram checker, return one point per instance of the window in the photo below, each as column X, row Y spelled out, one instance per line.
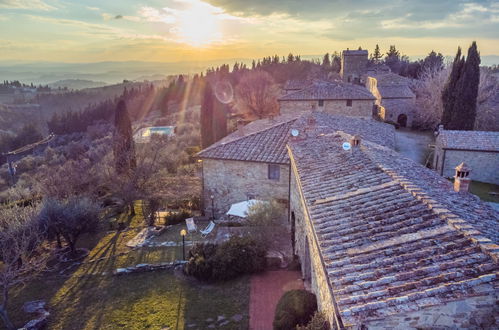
column 349, row 103
column 274, row 172
column 321, row 103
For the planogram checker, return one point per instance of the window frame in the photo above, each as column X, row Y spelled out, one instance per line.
column 273, row 172
column 349, row 103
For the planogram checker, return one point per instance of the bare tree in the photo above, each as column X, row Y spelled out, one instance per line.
column 22, row 256
column 268, row 222
column 256, row 95
column 429, row 97
column 487, row 116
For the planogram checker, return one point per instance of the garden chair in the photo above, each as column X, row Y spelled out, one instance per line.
column 208, row 229
column 191, row 226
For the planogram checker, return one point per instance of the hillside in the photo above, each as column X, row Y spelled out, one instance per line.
column 77, row 84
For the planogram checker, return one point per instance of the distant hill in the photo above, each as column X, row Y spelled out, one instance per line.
column 77, row 84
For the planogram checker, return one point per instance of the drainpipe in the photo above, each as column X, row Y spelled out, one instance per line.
column 443, row 163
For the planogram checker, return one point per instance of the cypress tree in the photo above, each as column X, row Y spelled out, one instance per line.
column 219, row 120
column 461, row 90
column 123, row 148
column 449, row 92
column 207, row 136
column 465, row 109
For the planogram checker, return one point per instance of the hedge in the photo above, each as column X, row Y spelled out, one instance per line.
column 295, row 308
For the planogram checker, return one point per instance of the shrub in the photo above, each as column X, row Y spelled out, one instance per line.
column 174, row 218
column 318, row 322
column 199, row 264
column 237, row 256
column 296, row 307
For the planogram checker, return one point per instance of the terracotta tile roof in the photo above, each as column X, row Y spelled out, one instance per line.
column 401, row 105
column 391, row 85
column 265, row 140
column 471, row 140
column 294, row 84
column 393, row 234
column 390, row 92
column 330, row 90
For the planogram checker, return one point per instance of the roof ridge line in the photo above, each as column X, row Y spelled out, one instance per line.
column 485, row 244
column 213, row 146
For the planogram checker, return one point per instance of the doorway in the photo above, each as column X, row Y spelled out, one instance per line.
column 402, row 120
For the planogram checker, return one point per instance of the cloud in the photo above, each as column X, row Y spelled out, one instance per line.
column 26, row 4
column 377, row 18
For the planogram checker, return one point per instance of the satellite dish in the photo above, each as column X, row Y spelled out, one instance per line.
column 295, row 132
column 346, row 146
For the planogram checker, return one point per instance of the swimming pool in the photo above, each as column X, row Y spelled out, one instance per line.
column 163, row 130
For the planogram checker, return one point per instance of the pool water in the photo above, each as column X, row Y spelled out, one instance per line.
column 163, row 130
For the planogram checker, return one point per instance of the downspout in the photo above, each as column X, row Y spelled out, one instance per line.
column 289, row 194
column 443, row 163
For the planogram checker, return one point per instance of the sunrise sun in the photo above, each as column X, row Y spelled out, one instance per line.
column 199, row 25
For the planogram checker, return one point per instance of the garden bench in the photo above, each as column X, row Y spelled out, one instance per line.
column 208, row 229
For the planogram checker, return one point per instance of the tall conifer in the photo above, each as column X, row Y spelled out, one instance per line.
column 207, row 137
column 123, row 148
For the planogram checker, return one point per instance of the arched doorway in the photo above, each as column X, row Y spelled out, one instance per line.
column 402, row 120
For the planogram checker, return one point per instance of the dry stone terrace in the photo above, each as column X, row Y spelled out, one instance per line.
column 393, row 235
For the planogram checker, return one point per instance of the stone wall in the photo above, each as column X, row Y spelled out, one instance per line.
column 353, row 67
column 231, row 181
column 484, row 165
column 361, row 108
column 477, row 312
column 311, row 264
column 390, row 112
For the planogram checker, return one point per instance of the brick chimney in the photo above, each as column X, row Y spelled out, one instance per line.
column 355, row 141
column 461, row 178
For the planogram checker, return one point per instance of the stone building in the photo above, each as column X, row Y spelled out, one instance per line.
column 479, row 149
column 394, row 98
column 387, row 243
column 353, row 65
column 335, row 97
column 252, row 162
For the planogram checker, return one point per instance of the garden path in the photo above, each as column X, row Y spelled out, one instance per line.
column 266, row 290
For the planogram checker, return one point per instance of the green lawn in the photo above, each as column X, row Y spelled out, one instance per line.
column 482, row 190
column 85, row 299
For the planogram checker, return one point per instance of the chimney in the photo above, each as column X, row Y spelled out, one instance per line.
column 461, row 179
column 355, row 141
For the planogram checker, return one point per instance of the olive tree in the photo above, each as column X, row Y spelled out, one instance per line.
column 22, row 255
column 69, row 219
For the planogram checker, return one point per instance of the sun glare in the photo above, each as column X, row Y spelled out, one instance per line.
column 199, row 25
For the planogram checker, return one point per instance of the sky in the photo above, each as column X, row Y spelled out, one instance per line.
column 204, row 30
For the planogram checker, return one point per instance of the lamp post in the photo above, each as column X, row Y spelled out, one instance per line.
column 212, row 207
column 183, row 232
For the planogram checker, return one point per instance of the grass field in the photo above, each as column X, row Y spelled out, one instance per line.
column 83, row 298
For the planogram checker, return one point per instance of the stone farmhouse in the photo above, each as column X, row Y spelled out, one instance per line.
column 253, row 161
column 334, row 97
column 479, row 149
column 383, row 241
column 394, row 98
column 365, row 88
